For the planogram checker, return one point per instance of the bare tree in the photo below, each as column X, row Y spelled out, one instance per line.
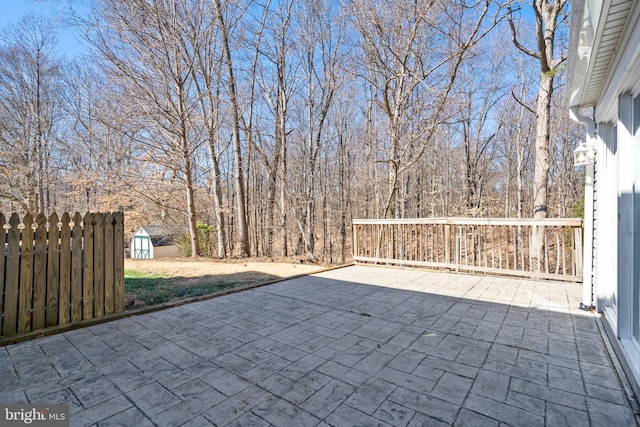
column 29, row 111
column 517, row 119
column 277, row 121
column 343, row 121
column 480, row 94
column 550, row 20
column 146, row 53
column 241, row 197
column 207, row 72
column 85, row 149
column 566, row 181
column 412, row 51
column 273, row 47
column 322, row 55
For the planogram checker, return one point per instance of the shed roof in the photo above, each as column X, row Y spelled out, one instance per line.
column 160, row 235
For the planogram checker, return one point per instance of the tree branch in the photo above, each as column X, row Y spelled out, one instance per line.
column 522, row 103
column 514, row 37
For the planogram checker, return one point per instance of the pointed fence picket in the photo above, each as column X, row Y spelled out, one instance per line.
column 59, row 271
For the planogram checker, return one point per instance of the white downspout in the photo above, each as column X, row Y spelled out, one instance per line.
column 587, row 247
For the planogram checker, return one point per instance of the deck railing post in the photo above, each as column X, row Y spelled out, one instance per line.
column 447, row 243
column 354, row 240
column 577, row 232
column 458, row 255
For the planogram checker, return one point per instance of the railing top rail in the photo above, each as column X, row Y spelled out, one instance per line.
column 548, row 222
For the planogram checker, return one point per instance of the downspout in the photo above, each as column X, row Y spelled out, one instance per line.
column 587, row 247
column 584, row 120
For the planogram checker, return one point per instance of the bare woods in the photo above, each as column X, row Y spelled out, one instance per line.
column 273, row 123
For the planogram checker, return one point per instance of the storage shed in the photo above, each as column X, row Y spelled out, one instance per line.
column 153, row 241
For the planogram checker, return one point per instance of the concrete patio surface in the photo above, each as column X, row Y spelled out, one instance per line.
column 357, row 346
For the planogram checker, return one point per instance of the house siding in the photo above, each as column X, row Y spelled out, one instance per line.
column 594, row 253
column 605, row 226
column 614, row 91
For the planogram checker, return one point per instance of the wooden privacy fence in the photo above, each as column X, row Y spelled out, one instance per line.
column 60, row 271
column 497, row 245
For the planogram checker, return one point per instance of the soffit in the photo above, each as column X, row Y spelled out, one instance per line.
column 595, row 38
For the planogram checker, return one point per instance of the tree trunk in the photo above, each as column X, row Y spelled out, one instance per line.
column 541, row 174
column 191, row 209
column 243, row 228
column 546, row 13
column 38, row 136
column 391, row 207
column 273, row 169
column 188, row 176
column 283, row 201
column 519, row 184
column 217, row 202
column 541, row 171
column 271, row 203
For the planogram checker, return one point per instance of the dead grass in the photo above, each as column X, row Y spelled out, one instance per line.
column 186, row 267
column 149, row 282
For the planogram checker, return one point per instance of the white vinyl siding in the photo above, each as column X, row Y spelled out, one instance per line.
column 606, row 222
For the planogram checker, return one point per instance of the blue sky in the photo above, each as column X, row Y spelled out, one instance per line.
column 12, row 10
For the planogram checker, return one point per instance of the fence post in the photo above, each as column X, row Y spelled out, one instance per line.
column 119, row 261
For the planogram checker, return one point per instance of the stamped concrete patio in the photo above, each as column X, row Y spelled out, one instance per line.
column 360, row 346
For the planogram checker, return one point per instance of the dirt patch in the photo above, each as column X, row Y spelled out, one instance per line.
column 184, row 267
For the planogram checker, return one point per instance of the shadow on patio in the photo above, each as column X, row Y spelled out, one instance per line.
column 354, row 346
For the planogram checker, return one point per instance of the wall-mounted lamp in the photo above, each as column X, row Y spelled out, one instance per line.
column 583, row 155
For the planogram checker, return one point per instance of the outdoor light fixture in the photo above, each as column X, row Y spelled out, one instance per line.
column 583, row 155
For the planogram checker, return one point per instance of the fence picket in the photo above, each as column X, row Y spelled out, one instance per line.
column 98, row 265
column 26, row 276
column 76, row 268
column 65, row 271
column 12, row 278
column 40, row 272
column 53, row 272
column 108, row 264
column 87, row 267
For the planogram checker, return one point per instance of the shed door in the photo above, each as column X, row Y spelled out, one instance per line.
column 141, row 246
